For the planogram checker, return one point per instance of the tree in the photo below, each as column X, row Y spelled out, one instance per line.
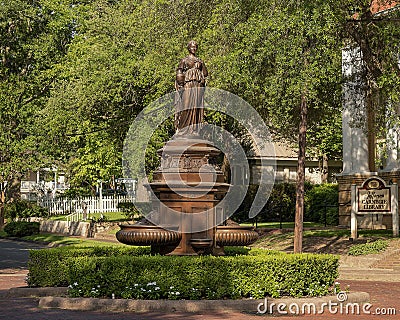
column 34, row 36
column 376, row 35
column 285, row 59
column 122, row 57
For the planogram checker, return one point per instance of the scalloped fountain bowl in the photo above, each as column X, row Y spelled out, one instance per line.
column 235, row 236
column 147, row 235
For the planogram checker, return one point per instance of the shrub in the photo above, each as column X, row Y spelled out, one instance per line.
column 56, row 259
column 77, row 192
column 319, row 197
column 21, row 228
column 48, row 267
column 24, row 209
column 368, row 248
column 129, row 209
column 257, row 274
column 280, row 205
column 204, row 277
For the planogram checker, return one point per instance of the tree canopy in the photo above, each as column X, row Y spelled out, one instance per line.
column 74, row 74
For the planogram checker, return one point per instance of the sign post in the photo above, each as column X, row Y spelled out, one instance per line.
column 353, row 222
column 395, row 209
column 374, row 197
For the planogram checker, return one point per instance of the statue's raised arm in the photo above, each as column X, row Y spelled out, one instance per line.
column 190, row 85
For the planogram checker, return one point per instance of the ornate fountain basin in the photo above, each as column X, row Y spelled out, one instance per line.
column 146, row 235
column 235, row 236
column 201, row 243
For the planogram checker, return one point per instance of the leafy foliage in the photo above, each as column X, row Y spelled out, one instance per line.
column 368, row 248
column 320, row 199
column 129, row 209
column 207, row 277
column 75, row 74
column 48, row 268
column 24, row 209
column 123, row 54
column 281, row 203
column 21, row 228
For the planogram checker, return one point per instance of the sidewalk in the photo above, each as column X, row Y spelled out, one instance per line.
column 384, row 294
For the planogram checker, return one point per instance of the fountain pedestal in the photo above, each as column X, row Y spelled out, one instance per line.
column 187, row 187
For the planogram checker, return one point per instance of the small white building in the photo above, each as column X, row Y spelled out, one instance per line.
column 285, row 159
column 43, row 182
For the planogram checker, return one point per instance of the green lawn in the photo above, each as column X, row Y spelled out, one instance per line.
column 69, row 241
column 285, row 225
column 109, row 216
column 346, row 233
column 336, row 239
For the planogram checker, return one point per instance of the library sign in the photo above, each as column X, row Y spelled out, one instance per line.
column 374, row 197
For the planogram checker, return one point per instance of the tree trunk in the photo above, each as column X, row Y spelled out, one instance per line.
column 325, row 169
column 2, row 203
column 298, row 226
column 371, row 130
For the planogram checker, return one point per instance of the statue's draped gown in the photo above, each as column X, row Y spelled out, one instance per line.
column 189, row 98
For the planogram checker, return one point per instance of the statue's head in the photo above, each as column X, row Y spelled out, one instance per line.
column 192, row 44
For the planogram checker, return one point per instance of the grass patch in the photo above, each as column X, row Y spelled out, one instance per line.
column 375, row 233
column 69, row 241
column 346, row 233
column 285, row 225
column 327, row 233
column 109, row 216
column 113, row 230
column 332, row 240
column 368, row 248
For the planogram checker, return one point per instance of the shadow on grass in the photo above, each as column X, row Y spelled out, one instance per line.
column 60, row 240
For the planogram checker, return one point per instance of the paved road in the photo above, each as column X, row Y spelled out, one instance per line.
column 13, row 259
column 14, row 254
column 13, row 262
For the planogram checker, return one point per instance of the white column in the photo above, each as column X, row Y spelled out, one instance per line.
column 355, row 139
column 392, row 144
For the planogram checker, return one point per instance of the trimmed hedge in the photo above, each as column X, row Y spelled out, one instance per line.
column 129, row 275
column 42, row 262
column 49, row 268
column 21, row 228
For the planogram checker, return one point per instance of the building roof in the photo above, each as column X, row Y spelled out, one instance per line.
column 283, row 150
column 381, row 6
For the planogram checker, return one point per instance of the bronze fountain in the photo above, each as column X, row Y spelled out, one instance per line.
column 189, row 184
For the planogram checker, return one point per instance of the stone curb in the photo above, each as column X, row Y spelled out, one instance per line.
column 35, row 292
column 192, row 306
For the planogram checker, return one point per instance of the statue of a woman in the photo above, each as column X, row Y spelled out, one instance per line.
column 190, row 85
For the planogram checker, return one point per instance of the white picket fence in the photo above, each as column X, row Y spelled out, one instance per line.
column 66, row 206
